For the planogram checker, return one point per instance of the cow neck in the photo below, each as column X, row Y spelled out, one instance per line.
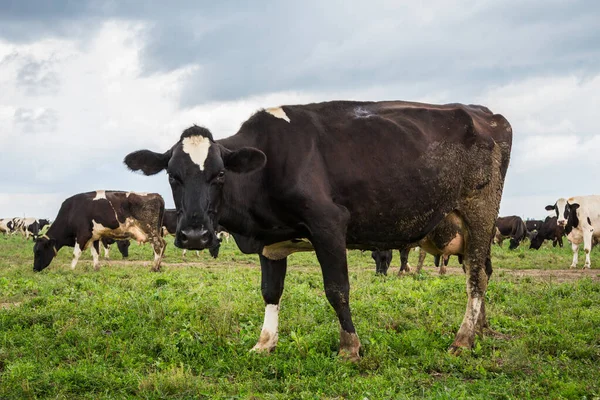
column 236, row 208
column 60, row 232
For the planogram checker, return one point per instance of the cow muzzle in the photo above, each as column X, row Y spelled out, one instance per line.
column 195, row 239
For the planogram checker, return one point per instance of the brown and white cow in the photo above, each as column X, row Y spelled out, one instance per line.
column 88, row 217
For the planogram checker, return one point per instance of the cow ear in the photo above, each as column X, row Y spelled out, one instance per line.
column 574, row 206
column 549, row 208
column 244, row 160
column 147, row 161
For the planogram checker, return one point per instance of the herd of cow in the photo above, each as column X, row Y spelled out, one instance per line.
column 517, row 230
column 327, row 177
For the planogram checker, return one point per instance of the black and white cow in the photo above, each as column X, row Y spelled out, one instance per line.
column 511, row 227
column 549, row 230
column 580, row 216
column 84, row 219
column 337, row 175
column 6, row 225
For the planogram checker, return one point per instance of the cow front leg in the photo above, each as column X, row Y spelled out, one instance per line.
column 422, row 255
column 95, row 249
column 76, row 255
column 404, row 266
column 106, row 251
column 575, row 248
column 587, row 247
column 158, row 245
column 272, row 282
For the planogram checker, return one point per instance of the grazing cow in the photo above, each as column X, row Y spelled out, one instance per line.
column 580, row 216
column 511, row 227
column 33, row 227
column 549, row 230
column 337, row 175
column 122, row 245
column 532, row 226
column 383, row 259
column 86, row 218
column 6, row 225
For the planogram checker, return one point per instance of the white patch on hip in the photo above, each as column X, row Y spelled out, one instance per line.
column 278, row 112
column 197, row 148
column 100, row 194
column 138, row 193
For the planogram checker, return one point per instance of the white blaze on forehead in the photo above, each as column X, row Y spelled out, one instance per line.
column 197, row 148
column 561, row 204
column 278, row 112
column 100, row 194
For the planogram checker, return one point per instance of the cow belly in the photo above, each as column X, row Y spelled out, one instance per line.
column 455, row 246
column 130, row 229
column 281, row 250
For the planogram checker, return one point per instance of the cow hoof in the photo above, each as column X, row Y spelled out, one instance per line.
column 349, row 346
column 266, row 342
column 573, row 267
column 587, row 266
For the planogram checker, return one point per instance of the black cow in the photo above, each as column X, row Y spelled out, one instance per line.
column 549, row 230
column 169, row 226
column 122, row 245
column 383, row 259
column 511, row 227
column 86, row 218
column 337, row 175
column 532, row 226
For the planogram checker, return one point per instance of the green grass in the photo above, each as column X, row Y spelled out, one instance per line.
column 125, row 332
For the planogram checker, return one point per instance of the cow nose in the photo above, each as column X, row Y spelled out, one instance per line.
column 194, row 239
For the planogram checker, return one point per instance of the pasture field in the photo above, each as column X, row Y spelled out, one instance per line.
column 125, row 332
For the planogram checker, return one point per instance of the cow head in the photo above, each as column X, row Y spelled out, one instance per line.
column 123, row 246
column 566, row 214
column 198, row 169
column 383, row 259
column 44, row 251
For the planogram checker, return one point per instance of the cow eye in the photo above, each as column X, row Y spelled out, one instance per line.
column 174, row 179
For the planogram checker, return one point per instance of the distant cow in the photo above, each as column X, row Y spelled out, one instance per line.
column 29, row 226
column 122, row 245
column 511, row 227
column 88, row 217
column 6, row 225
column 549, row 230
column 580, row 216
column 445, row 240
column 532, row 226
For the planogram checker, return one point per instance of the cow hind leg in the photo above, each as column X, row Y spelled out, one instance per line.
column 272, row 280
column 477, row 233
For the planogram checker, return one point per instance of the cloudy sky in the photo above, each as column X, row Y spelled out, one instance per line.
column 83, row 83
